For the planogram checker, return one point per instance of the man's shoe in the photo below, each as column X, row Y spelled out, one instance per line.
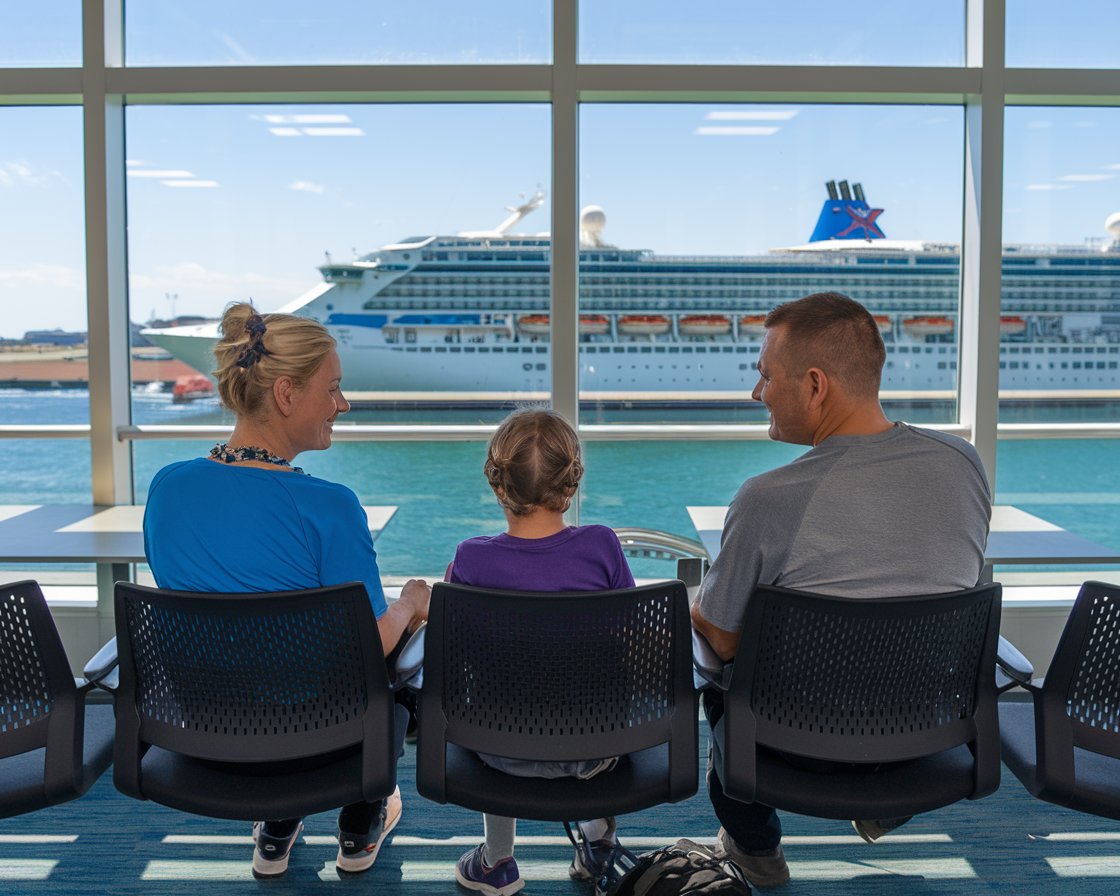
column 473, row 873
column 357, row 852
column 763, row 868
column 270, row 855
column 872, row 829
column 591, row 856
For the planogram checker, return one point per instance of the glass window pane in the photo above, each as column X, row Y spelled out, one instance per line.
column 43, row 33
column 1071, row 483
column 1060, row 309
column 814, row 32
column 1074, row 34
column 44, row 372
column 276, row 32
column 287, row 205
column 697, row 220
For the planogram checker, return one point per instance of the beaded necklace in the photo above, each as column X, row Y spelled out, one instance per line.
column 228, row 455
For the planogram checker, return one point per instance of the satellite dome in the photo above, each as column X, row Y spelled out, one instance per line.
column 1112, row 225
column 592, row 219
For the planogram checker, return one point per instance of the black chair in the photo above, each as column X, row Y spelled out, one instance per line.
column 861, row 707
column 1064, row 745
column 52, row 746
column 251, row 706
column 570, row 676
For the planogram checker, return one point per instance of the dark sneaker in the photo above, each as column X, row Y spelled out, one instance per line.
column 763, row 868
column 357, row 852
column 872, row 829
column 270, row 857
column 473, row 873
column 592, row 856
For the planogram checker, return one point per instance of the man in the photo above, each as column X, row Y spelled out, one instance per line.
column 874, row 509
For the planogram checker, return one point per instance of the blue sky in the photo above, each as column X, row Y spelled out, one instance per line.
column 235, row 202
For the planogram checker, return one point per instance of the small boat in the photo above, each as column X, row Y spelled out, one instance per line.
column 928, row 326
column 1012, row 325
column 704, row 325
column 533, row 324
column 594, row 324
column 643, row 324
column 884, row 324
column 752, row 325
column 191, row 386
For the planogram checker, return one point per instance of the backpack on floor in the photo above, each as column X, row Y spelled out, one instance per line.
column 683, row 869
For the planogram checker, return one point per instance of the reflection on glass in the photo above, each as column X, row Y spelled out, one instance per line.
column 1060, row 323
column 810, row 32
column 438, row 489
column 43, row 355
column 287, row 206
column 277, row 32
column 43, row 33
column 700, row 219
column 1074, row 34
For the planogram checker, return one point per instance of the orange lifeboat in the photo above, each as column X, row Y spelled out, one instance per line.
column 643, row 324
column 1012, row 325
column 704, row 325
column 533, row 324
column 884, row 323
column 593, row 324
column 928, row 326
column 752, row 324
column 191, row 386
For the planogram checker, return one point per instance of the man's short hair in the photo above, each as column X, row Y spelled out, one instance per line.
column 835, row 333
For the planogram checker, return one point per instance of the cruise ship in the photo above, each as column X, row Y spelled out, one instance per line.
column 439, row 316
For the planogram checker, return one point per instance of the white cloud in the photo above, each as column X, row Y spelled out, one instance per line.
column 1086, row 178
column 45, row 275
column 285, row 132
column 760, row 115
column 334, row 132
column 206, row 184
column 160, row 172
column 1039, row 125
column 19, row 171
column 306, row 186
column 317, row 118
column 190, row 276
column 1048, row 186
column 238, row 51
column 735, row 131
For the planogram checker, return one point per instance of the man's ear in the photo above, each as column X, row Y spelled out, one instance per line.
column 818, row 386
column 283, row 393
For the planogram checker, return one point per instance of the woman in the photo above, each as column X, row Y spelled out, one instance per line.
column 244, row 519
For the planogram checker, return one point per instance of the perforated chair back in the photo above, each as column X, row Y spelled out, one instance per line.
column 1082, row 685
column 857, row 680
column 251, row 678
column 558, row 677
column 41, row 707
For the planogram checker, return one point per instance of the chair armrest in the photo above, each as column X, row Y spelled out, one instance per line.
column 101, row 670
column 408, row 671
column 709, row 669
column 1012, row 668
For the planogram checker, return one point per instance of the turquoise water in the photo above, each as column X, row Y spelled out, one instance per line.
column 444, row 498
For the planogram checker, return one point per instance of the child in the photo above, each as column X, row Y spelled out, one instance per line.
column 534, row 467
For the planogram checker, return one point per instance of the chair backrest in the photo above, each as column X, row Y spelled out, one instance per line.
column 557, row 676
column 249, row 677
column 39, row 705
column 1081, row 691
column 866, row 679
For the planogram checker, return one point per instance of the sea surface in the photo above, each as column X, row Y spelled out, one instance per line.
column 443, row 497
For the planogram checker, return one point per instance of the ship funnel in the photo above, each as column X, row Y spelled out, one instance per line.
column 845, row 218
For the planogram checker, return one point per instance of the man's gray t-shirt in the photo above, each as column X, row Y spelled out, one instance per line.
column 905, row 511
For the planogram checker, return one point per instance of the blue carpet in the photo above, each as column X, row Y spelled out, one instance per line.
column 105, row 843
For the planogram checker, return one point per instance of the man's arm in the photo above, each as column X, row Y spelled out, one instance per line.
column 723, row 642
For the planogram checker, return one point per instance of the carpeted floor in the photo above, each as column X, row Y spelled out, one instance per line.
column 105, row 843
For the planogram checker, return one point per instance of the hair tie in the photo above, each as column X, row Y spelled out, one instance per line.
column 255, row 350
